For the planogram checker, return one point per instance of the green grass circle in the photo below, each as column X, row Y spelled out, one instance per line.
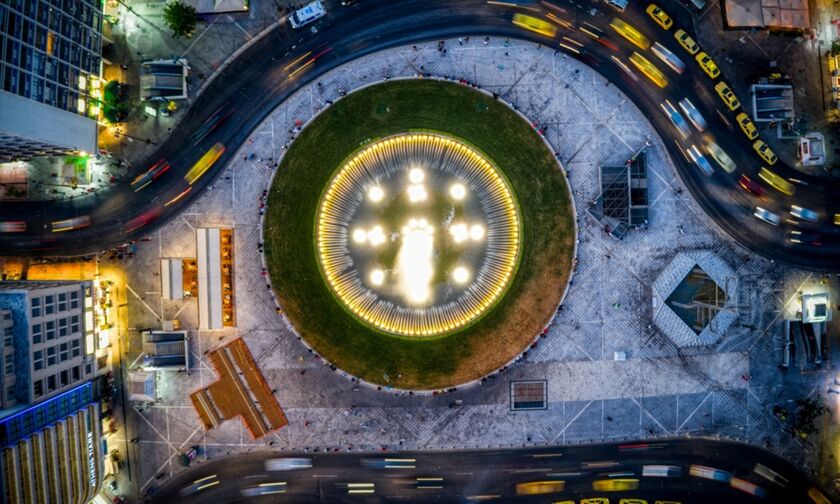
column 547, row 229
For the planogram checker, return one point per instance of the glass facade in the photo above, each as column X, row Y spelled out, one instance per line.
column 50, row 52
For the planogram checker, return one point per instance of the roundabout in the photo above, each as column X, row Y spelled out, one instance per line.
column 419, row 246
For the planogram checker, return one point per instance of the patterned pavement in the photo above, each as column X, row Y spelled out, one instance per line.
column 660, row 390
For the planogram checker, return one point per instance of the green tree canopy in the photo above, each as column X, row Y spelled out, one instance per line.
column 180, row 18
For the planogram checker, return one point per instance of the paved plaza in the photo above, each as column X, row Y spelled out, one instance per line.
column 727, row 389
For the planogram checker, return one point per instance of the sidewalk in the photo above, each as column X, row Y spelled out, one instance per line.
column 140, row 34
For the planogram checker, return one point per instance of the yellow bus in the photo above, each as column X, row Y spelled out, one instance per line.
column 776, row 181
column 630, row 33
column 204, row 164
column 535, row 25
column 649, row 69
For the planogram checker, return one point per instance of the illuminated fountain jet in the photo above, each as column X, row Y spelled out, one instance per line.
column 414, row 267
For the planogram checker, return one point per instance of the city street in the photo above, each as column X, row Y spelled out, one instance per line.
column 265, row 75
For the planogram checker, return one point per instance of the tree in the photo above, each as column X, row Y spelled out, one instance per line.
column 180, row 19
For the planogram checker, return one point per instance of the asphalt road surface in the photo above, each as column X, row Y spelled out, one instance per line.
column 497, row 475
column 270, row 71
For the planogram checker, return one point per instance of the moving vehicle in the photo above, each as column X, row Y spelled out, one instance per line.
column 817, row 496
column 204, row 164
column 265, row 489
column 540, row 487
column 390, row 463
column 707, row 64
column 837, row 219
column 661, row 471
column 701, row 161
column 776, row 182
column 796, row 236
column 649, row 69
column 659, row 16
column 728, row 97
column 693, row 114
column 686, row 42
column 287, row 464
column 769, row 474
column 804, row 214
column 668, row 57
column 307, row 14
column 615, row 485
column 720, row 156
column 772, row 219
column 200, row 484
column 429, row 483
column 747, row 125
column 676, row 119
column 709, row 472
column 152, row 174
column 212, row 122
column 763, row 150
column 595, row 500
column 71, row 224
column 752, row 186
column 747, row 487
column 12, row 226
column 632, row 501
column 534, row 24
column 630, row 33
column 618, row 5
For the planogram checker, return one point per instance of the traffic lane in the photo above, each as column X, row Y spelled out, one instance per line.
column 511, row 465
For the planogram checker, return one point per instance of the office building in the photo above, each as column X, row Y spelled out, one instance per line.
column 50, row 346
column 50, row 63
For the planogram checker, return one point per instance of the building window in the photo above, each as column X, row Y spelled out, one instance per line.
column 65, row 352
column 36, row 307
column 49, row 304
column 9, row 362
column 7, row 316
column 10, row 392
column 62, row 327
column 62, row 302
column 38, row 359
column 77, row 371
column 39, row 388
column 74, row 300
column 50, row 383
column 88, row 368
column 64, row 377
column 51, row 356
column 36, row 333
column 76, row 346
column 50, row 330
column 74, row 324
column 7, row 336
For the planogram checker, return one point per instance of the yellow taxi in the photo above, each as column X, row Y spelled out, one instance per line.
column 686, row 42
column 534, row 24
column 707, row 64
column 747, row 125
column 595, row 500
column 649, row 69
column 563, row 502
column 667, row 502
column 763, row 150
column 728, row 97
column 540, row 487
column 615, row 485
column 837, row 219
column 659, row 15
column 776, row 181
column 632, row 501
column 630, row 32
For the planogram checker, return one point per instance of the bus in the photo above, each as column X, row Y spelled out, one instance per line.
column 775, row 181
column 535, row 25
column 204, row 164
column 649, row 69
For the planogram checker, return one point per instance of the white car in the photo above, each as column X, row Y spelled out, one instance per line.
column 676, row 119
column 667, row 57
column 701, row 161
column 720, row 156
column 287, row 464
column 693, row 114
column 767, row 216
column 803, row 213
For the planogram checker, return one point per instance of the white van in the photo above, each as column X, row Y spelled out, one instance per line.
column 306, row 14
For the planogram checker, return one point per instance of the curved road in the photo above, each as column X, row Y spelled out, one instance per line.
column 462, row 476
column 261, row 79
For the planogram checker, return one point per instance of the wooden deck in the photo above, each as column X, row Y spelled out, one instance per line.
column 240, row 391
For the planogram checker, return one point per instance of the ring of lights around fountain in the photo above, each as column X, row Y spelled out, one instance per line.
column 418, row 234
